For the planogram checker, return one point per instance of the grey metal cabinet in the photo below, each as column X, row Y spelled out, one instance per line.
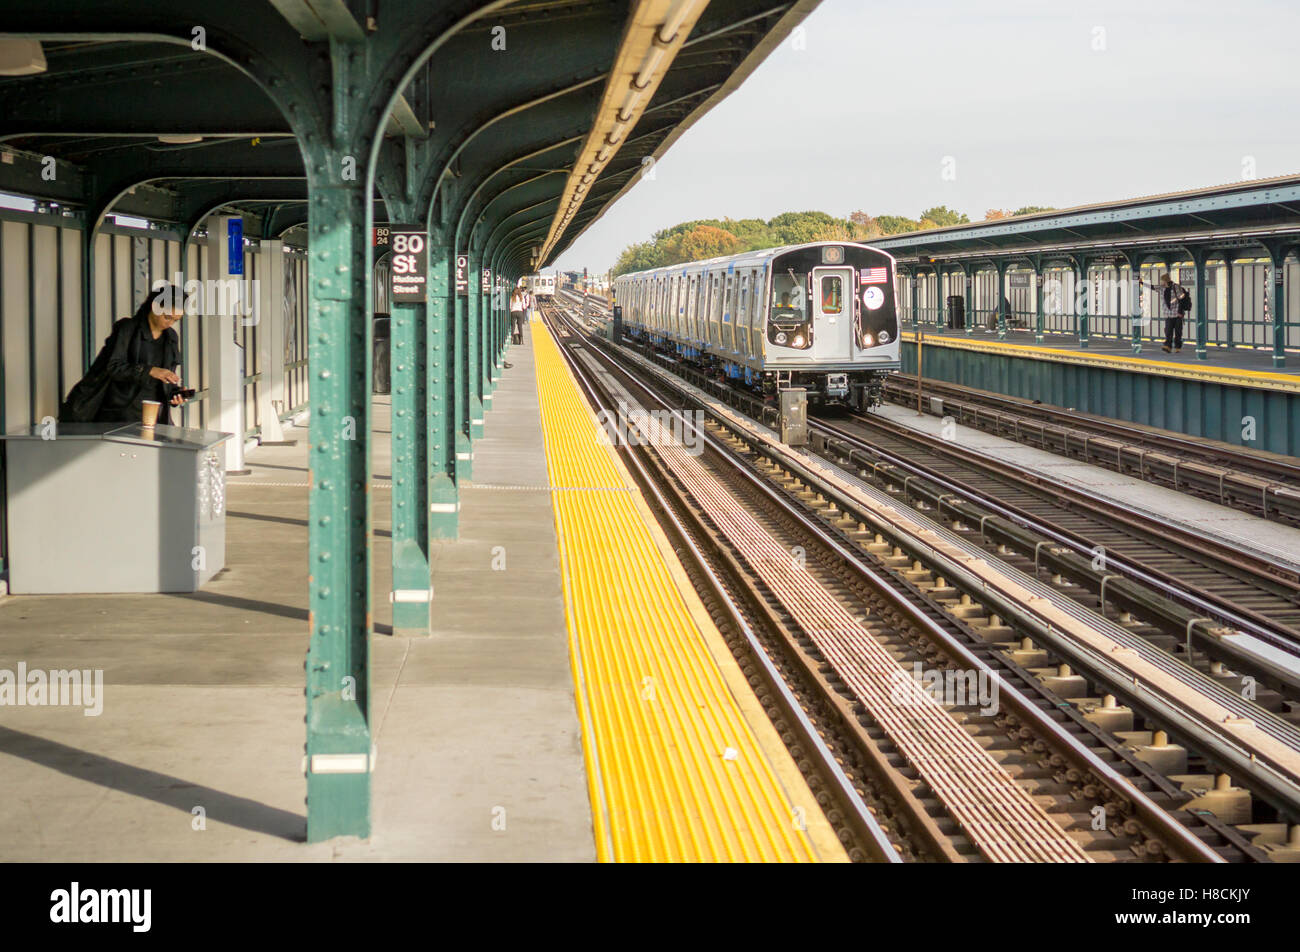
column 107, row 507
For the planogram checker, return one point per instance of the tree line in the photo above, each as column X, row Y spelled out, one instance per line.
column 714, row 237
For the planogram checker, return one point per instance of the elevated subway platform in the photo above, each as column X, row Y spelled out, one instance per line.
column 478, row 751
column 197, row 754
column 1235, row 396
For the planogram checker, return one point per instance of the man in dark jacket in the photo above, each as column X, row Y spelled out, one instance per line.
column 1175, row 302
column 137, row 363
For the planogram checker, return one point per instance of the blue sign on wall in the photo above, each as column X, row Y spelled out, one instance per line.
column 235, row 245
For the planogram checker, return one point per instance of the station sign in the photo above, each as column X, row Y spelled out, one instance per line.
column 1018, row 279
column 486, row 285
column 462, row 275
column 1186, row 276
column 409, row 267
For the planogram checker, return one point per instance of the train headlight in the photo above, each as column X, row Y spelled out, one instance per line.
column 884, row 337
column 868, row 340
column 798, row 340
column 780, row 337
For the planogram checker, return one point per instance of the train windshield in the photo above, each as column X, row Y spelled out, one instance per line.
column 789, row 296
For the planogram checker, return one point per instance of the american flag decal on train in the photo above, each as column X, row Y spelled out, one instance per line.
column 875, row 276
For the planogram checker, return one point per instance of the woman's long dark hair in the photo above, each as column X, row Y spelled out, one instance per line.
column 169, row 296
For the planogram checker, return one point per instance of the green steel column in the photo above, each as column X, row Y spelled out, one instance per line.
column 938, row 292
column 338, row 657
column 475, row 350
column 1230, row 316
column 1199, row 258
column 1277, row 301
column 460, row 325
column 1002, row 297
column 916, row 317
column 1039, row 318
column 444, row 500
column 410, row 491
column 971, row 311
column 1081, row 301
column 488, row 332
column 1135, row 304
column 503, row 314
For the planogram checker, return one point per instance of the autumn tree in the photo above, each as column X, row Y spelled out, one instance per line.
column 943, row 216
column 996, row 214
column 702, row 241
column 895, row 224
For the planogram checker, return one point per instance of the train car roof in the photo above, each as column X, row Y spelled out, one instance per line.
column 744, row 258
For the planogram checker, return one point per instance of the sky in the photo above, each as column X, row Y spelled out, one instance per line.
column 891, row 108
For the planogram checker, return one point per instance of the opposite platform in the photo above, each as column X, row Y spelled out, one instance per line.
column 1243, row 366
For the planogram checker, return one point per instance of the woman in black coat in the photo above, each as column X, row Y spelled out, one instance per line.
column 137, row 363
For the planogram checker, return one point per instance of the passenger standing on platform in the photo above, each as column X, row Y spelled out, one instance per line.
column 1175, row 302
column 137, row 363
column 518, row 304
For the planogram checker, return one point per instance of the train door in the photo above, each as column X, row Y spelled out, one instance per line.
column 741, row 318
column 692, row 295
column 832, row 313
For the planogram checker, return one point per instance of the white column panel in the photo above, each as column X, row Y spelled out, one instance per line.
column 225, row 383
column 14, row 275
column 103, row 290
column 45, row 275
column 123, row 305
column 70, row 278
column 270, row 339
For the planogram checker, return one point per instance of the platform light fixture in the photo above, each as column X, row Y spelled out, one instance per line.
column 180, row 138
column 21, row 57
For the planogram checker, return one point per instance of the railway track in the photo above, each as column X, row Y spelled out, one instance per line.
column 1189, row 593
column 1088, row 539
column 739, row 528
column 1250, row 480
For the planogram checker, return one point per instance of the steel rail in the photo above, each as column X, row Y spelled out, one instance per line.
column 1160, row 819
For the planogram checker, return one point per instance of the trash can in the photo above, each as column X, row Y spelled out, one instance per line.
column 957, row 311
column 381, row 373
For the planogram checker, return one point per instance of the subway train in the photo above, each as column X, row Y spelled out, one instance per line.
column 542, row 286
column 821, row 316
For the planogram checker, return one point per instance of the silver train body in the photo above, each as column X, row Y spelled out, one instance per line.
column 821, row 316
column 542, row 286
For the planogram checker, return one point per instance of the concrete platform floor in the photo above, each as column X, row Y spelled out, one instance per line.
column 479, row 747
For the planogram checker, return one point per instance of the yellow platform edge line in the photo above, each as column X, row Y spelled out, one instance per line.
column 657, row 703
column 1191, row 371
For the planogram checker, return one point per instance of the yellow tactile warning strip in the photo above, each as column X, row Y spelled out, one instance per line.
column 674, row 770
column 1230, row 375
